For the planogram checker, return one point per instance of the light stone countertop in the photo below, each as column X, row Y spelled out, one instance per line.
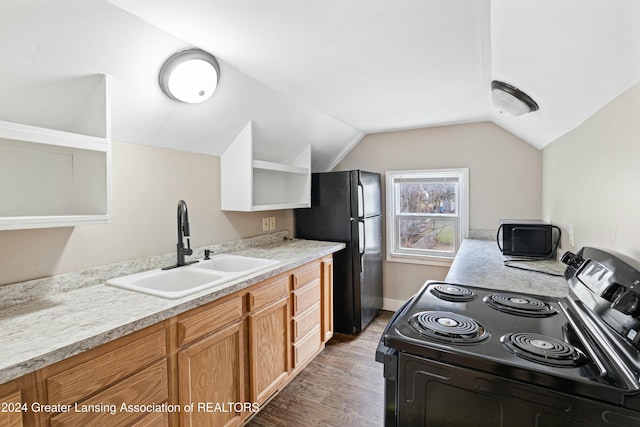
column 64, row 319
column 479, row 263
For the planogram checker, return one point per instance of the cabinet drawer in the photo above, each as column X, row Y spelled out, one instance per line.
column 306, row 347
column 304, row 298
column 268, row 293
column 104, row 368
column 203, row 320
column 306, row 275
column 305, row 321
column 149, row 386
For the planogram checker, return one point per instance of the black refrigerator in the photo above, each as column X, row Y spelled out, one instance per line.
column 346, row 207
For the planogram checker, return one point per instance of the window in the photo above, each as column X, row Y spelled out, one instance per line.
column 427, row 215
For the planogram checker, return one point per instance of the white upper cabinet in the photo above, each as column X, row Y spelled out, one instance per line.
column 250, row 184
column 50, row 178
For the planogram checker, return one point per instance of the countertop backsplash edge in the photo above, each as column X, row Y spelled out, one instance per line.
column 22, row 292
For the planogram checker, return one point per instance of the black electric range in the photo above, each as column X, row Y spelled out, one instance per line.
column 465, row 355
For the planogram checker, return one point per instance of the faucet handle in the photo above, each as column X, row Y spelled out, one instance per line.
column 207, row 252
column 188, row 251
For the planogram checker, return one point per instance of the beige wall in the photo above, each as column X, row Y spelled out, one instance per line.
column 504, row 174
column 147, row 184
column 591, row 179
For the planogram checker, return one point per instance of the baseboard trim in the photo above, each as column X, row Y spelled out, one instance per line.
column 390, row 304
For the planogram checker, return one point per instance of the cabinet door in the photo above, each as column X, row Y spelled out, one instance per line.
column 269, row 341
column 211, row 373
column 11, row 415
column 327, row 298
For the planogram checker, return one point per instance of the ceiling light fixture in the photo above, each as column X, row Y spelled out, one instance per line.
column 190, row 76
column 511, row 100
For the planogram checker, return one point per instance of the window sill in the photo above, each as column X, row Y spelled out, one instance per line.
column 424, row 260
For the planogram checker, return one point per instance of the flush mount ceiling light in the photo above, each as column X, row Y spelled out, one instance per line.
column 190, row 76
column 511, row 100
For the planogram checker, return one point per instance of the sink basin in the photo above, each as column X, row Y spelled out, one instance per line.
column 235, row 263
column 183, row 281
column 175, row 283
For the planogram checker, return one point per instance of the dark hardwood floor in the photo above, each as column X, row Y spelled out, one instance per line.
column 342, row 386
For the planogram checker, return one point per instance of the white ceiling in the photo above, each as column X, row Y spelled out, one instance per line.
column 320, row 72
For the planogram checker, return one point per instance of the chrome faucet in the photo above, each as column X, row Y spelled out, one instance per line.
column 183, row 230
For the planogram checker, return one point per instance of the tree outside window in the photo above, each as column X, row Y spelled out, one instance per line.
column 426, row 210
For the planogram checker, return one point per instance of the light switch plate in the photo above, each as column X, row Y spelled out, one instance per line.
column 265, row 224
column 272, row 223
column 571, row 235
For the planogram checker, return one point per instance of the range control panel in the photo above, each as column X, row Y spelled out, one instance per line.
column 609, row 285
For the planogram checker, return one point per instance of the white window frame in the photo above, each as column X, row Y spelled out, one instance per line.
column 419, row 256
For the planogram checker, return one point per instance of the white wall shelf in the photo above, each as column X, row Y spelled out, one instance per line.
column 50, row 178
column 279, row 167
column 250, row 184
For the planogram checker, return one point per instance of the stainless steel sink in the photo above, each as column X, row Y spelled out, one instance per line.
column 184, row 281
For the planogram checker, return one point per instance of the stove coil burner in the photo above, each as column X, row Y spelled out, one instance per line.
column 449, row 327
column 452, row 293
column 543, row 349
column 520, row 305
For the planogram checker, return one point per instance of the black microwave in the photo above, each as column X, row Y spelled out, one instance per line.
column 527, row 238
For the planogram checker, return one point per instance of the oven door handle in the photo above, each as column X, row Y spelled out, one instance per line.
column 565, row 310
column 628, row 376
column 382, row 349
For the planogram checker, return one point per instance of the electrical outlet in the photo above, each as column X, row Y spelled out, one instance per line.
column 265, row 224
column 272, row 223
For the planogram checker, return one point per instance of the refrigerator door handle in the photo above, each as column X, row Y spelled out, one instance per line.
column 360, row 200
column 362, row 242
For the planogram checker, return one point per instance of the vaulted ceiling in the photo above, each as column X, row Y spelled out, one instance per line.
column 319, row 72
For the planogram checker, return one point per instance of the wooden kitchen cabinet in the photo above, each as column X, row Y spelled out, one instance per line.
column 201, row 321
column 269, row 338
column 11, row 407
column 304, row 322
column 147, row 387
column 131, row 370
column 211, row 364
column 15, row 402
column 306, row 319
column 211, row 373
column 242, row 349
column 327, row 298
